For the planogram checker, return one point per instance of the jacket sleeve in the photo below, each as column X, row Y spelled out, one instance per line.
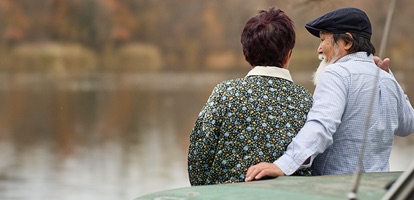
column 203, row 140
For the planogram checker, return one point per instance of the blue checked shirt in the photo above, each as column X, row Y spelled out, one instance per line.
column 333, row 133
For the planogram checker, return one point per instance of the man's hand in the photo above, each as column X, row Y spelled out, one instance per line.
column 383, row 64
column 263, row 170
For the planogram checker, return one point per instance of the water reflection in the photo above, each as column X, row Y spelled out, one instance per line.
column 98, row 136
column 101, row 137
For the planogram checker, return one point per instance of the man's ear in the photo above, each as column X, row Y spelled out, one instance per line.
column 348, row 44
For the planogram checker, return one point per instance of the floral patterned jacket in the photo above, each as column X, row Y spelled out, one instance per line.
column 246, row 121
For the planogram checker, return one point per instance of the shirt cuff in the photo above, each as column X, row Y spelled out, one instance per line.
column 287, row 165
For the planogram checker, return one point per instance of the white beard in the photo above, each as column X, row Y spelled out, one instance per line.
column 322, row 65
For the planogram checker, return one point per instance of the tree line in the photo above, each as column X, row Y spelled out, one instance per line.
column 186, row 34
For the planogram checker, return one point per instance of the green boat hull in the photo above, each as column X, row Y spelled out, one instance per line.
column 331, row 187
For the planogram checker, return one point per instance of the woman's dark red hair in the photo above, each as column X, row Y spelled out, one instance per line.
column 267, row 38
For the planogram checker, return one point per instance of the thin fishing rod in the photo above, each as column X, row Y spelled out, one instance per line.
column 386, row 29
column 357, row 176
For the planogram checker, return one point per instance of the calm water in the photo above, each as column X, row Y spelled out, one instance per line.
column 105, row 137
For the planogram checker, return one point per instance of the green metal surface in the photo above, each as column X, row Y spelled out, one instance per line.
column 288, row 187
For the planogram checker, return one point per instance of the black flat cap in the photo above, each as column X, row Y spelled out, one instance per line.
column 342, row 20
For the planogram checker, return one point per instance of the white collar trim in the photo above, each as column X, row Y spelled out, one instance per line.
column 270, row 71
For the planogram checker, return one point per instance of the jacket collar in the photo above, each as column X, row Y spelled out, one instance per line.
column 270, row 71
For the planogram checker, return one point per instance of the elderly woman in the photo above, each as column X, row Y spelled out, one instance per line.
column 252, row 119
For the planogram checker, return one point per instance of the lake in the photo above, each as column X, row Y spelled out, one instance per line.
column 106, row 136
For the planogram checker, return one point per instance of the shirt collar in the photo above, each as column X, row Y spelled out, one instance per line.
column 361, row 56
column 270, row 71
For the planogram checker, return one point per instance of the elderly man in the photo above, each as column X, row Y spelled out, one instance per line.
column 346, row 86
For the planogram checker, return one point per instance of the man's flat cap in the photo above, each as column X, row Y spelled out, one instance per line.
column 342, row 20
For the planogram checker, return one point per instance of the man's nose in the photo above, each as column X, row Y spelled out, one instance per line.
column 319, row 49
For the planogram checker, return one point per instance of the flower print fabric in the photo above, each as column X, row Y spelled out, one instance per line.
column 245, row 121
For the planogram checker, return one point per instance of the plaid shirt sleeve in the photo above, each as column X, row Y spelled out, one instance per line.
column 323, row 120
